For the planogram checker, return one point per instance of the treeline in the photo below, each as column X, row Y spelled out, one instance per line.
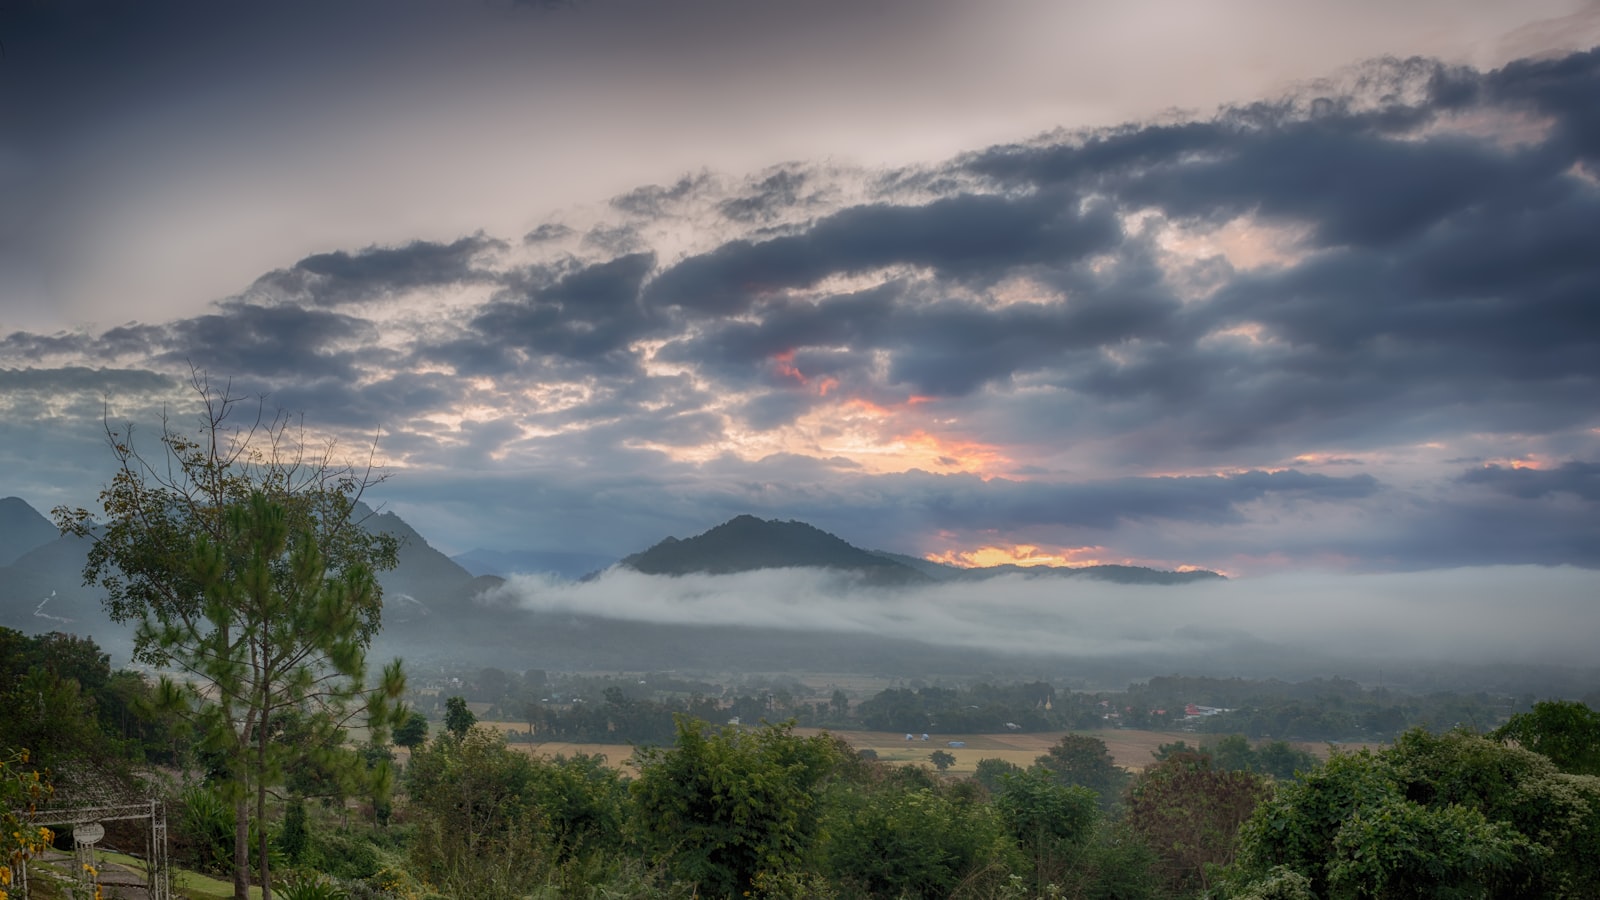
column 641, row 709
column 761, row 811
column 63, row 701
column 764, row 812
column 737, row 812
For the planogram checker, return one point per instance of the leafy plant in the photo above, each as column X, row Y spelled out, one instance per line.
column 208, row 828
column 309, row 886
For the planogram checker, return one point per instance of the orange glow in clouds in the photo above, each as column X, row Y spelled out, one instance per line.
column 882, row 437
column 1021, row 555
column 783, row 363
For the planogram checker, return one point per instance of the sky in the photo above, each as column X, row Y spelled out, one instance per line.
column 1266, row 288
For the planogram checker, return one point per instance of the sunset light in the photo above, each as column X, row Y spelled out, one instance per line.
column 1023, row 555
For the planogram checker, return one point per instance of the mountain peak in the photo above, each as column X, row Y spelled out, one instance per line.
column 746, row 543
column 22, row 528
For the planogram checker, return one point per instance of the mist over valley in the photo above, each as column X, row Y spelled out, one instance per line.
column 753, row 595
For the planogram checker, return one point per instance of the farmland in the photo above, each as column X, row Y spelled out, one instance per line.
column 1132, row 749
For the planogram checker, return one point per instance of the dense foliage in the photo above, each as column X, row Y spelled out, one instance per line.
column 237, row 555
column 1442, row 815
column 764, row 810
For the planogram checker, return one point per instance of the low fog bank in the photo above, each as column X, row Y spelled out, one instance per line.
column 1496, row 616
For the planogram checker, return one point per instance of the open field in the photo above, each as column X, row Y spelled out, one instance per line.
column 1129, row 748
column 1132, row 749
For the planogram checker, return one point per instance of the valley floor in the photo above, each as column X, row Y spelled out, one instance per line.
column 1132, row 749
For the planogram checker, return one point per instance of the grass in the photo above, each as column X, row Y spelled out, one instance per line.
column 185, row 884
column 194, row 885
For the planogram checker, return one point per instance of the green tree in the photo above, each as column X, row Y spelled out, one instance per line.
column 839, row 705
column 942, row 759
column 1452, row 815
column 1283, row 760
column 1083, row 760
column 238, row 557
column 1566, row 731
column 478, row 823
column 1189, row 811
column 895, row 840
column 1232, row 753
column 412, row 732
column 1049, row 820
column 722, row 806
column 458, row 720
column 991, row 773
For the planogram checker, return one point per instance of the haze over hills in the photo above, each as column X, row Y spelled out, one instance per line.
column 782, row 596
column 22, row 528
column 433, row 604
column 746, row 544
column 562, row 564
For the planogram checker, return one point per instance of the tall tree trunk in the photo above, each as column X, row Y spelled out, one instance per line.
column 241, row 844
column 261, row 813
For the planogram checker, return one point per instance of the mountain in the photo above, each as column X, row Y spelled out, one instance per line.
column 22, row 528
column 1114, row 573
column 746, row 543
column 42, row 589
column 425, row 584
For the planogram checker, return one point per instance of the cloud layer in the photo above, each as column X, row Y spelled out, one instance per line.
column 1353, row 325
column 1368, row 620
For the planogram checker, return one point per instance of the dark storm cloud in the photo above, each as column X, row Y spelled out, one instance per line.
column 271, row 341
column 33, row 347
column 1579, row 478
column 1359, row 177
column 970, row 236
column 1439, row 267
column 1563, row 88
column 80, row 379
column 1466, row 531
column 969, row 502
column 591, row 314
column 390, row 402
column 329, row 279
column 739, row 349
column 871, row 509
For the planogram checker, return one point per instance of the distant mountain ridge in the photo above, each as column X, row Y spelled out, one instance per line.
column 746, row 543
column 22, row 528
column 436, row 608
column 1115, row 573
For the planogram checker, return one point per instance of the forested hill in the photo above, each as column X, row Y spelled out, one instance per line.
column 746, row 543
column 22, row 528
column 1119, row 574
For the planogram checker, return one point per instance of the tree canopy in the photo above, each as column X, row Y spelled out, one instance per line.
column 237, row 555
